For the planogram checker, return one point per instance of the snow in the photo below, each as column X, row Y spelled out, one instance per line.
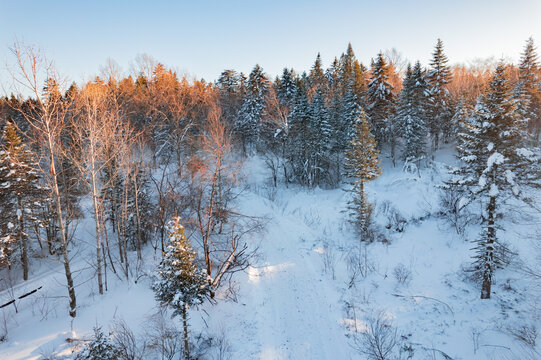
column 526, row 153
column 494, row 191
column 297, row 299
column 482, row 180
column 495, row 158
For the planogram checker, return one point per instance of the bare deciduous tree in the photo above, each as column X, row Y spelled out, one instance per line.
column 46, row 118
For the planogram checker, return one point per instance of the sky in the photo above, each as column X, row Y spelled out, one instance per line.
column 201, row 38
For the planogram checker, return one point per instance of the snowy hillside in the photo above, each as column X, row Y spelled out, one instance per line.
column 313, row 288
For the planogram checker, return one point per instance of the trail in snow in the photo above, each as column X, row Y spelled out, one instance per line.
column 292, row 309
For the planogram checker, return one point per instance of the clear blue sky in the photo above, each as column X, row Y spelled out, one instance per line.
column 203, row 37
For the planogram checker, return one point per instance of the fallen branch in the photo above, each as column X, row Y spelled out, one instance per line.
column 20, row 297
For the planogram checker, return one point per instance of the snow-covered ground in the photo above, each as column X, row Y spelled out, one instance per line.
column 301, row 297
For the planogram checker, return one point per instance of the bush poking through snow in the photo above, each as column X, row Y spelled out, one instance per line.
column 222, row 349
column 329, row 259
column 393, row 218
column 359, row 263
column 378, row 340
column 125, row 340
column 402, row 274
column 164, row 339
column 525, row 333
column 453, row 211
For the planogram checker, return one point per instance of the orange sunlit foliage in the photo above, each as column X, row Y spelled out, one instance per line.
column 467, row 83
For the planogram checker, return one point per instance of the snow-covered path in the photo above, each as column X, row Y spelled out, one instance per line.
column 296, row 301
column 292, row 308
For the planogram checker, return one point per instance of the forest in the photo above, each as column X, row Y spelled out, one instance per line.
column 409, row 190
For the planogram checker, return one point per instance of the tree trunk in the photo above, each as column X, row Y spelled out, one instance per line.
column 186, row 339
column 137, row 218
column 362, row 211
column 63, row 235
column 23, row 239
column 98, row 227
column 488, row 262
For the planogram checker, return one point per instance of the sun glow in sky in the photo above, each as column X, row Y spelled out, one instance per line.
column 202, row 38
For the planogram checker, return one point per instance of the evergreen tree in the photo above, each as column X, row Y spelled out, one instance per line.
column 362, row 165
column 439, row 76
column 346, row 68
column 286, row 90
column 351, row 101
column 358, row 83
column 320, row 139
column 332, row 75
column 528, row 89
column 346, row 98
column 494, row 167
column 381, row 101
column 100, row 348
column 20, row 196
column 230, row 90
column 180, row 282
column 317, row 79
column 412, row 113
column 247, row 124
column 298, row 150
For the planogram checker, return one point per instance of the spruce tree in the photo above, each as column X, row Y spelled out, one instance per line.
column 332, row 75
column 320, row 139
column 100, row 348
column 180, row 282
column 358, row 83
column 528, row 89
column 20, row 196
column 248, row 121
column 298, row 146
column 494, row 167
column 362, row 165
column 412, row 113
column 317, row 79
column 439, row 76
column 230, row 94
column 346, row 68
column 351, row 101
column 381, row 102
column 287, row 88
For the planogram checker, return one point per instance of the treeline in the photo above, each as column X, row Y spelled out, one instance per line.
column 151, row 146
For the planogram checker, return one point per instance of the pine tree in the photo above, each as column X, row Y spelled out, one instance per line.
column 441, row 110
column 412, row 113
column 362, row 165
column 494, row 167
column 248, row 121
column 20, row 196
column 528, row 89
column 180, row 282
column 381, row 103
column 100, row 348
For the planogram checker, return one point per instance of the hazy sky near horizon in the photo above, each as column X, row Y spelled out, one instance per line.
column 204, row 37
